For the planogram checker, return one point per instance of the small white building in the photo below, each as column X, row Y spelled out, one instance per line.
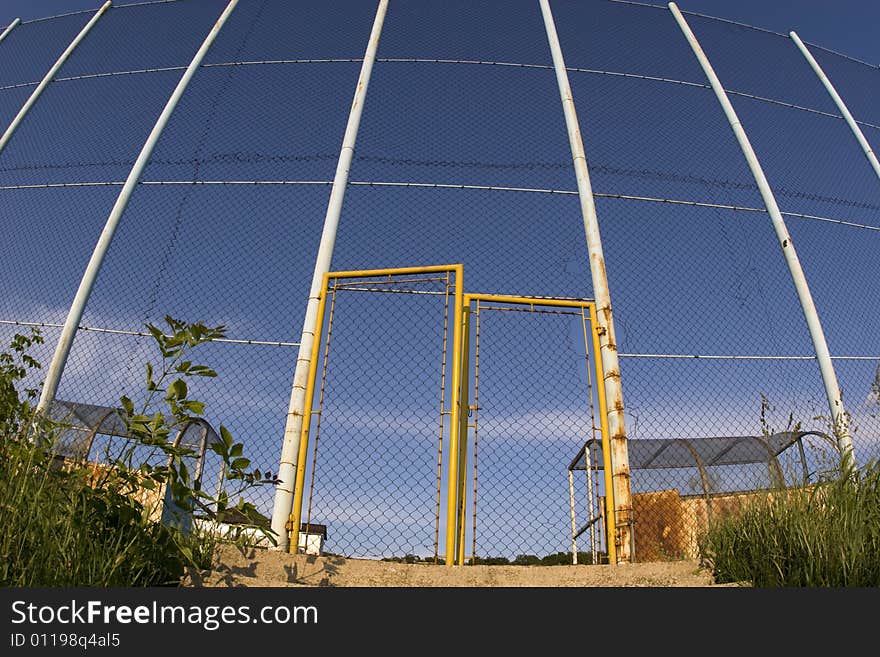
column 311, row 538
column 232, row 530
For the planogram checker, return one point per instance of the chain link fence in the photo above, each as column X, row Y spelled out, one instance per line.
column 462, row 157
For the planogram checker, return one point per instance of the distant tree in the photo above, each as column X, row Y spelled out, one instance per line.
column 562, row 558
column 527, row 560
column 490, row 561
column 407, row 558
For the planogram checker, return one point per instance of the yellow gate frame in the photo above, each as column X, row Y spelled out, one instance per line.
column 455, row 406
column 463, row 377
column 456, row 489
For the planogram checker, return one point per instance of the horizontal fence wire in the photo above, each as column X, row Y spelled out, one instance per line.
column 462, row 157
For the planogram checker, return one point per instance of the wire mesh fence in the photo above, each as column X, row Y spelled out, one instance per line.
column 461, row 157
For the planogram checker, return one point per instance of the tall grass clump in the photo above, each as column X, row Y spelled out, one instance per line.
column 824, row 535
column 65, row 521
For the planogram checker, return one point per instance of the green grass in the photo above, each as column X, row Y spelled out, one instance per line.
column 824, row 536
column 62, row 526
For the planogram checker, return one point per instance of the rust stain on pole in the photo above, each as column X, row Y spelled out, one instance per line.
column 620, row 493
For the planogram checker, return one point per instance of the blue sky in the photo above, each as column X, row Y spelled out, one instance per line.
column 848, row 26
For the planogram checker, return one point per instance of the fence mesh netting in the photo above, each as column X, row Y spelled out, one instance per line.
column 462, row 156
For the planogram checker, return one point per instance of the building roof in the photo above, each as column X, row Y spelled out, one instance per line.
column 647, row 453
column 310, row 528
column 80, row 423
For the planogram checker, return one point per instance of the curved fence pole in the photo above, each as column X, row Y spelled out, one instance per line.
column 9, row 28
column 50, row 75
column 850, row 121
column 290, row 449
column 59, row 359
column 829, row 378
column 608, row 344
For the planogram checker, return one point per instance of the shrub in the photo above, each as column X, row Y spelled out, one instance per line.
column 66, row 522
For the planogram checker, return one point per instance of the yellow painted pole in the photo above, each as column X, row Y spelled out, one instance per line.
column 610, row 524
column 454, row 424
column 530, row 301
column 296, row 511
column 429, row 269
column 463, row 430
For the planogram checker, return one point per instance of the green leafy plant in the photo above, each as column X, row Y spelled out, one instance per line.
column 15, row 364
column 167, row 409
column 69, row 522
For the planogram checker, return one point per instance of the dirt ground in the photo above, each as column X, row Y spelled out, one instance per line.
column 259, row 567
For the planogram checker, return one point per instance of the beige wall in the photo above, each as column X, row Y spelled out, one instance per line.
column 667, row 526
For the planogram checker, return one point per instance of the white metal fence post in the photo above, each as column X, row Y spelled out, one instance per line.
column 826, row 367
column 62, row 350
column 284, row 491
column 622, row 494
column 9, row 28
column 51, row 74
column 850, row 121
